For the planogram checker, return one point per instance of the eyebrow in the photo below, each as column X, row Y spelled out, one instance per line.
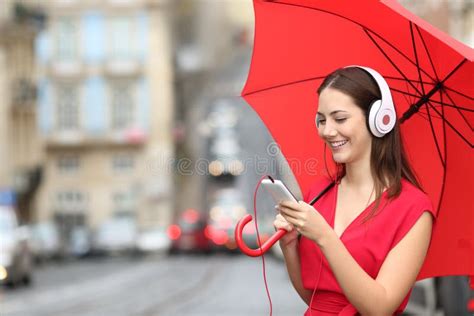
column 333, row 112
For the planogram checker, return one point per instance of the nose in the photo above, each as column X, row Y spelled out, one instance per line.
column 328, row 130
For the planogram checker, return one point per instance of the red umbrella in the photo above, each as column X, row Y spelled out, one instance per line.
column 299, row 42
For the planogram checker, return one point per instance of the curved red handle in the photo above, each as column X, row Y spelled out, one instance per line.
column 259, row 251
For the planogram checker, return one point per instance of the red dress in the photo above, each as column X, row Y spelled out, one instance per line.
column 369, row 243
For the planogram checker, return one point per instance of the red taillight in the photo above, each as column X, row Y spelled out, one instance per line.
column 208, row 232
column 191, row 216
column 218, row 236
column 220, row 239
column 174, row 231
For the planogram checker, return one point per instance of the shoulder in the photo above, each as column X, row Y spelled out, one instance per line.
column 413, row 198
column 406, row 209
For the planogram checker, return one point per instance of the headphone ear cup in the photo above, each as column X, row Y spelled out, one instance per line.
column 372, row 118
column 381, row 120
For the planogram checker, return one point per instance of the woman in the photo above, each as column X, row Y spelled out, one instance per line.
column 363, row 242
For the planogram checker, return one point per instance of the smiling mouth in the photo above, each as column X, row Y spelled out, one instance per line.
column 338, row 144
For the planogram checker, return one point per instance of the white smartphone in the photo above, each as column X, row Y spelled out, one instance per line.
column 278, row 191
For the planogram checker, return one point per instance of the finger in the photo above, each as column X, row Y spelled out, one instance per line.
column 291, row 220
column 287, row 213
column 286, row 226
column 280, row 217
column 291, row 205
column 281, row 222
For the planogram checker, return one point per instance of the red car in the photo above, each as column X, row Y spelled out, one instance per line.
column 187, row 235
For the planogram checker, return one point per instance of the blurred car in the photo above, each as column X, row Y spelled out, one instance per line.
column 188, row 233
column 225, row 156
column 154, row 240
column 116, row 236
column 16, row 258
column 45, row 241
column 80, row 244
column 223, row 114
column 226, row 209
column 225, row 147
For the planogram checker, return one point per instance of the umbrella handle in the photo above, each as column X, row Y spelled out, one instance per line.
column 259, row 251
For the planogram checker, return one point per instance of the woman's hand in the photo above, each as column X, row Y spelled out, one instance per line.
column 290, row 239
column 305, row 219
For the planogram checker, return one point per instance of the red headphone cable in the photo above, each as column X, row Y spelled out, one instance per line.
column 260, row 243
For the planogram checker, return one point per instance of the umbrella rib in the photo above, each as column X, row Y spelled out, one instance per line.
column 412, row 80
column 396, row 49
column 453, row 106
column 405, row 96
column 283, row 84
column 460, row 113
column 351, row 20
column 366, row 29
column 444, row 169
column 425, row 98
column 454, row 70
column 434, row 101
column 452, row 127
column 388, row 58
column 405, row 92
column 431, row 83
column 443, row 162
column 425, row 116
column 427, row 51
column 461, row 94
column 416, row 57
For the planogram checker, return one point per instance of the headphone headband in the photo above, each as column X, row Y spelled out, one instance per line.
column 382, row 114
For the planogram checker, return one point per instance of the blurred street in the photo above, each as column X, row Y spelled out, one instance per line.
column 160, row 285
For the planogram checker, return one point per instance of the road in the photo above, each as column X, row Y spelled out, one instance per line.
column 177, row 285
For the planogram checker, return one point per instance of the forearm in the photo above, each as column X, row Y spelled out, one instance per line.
column 365, row 294
column 292, row 260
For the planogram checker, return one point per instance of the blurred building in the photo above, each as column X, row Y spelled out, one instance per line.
column 105, row 112
column 454, row 17
column 208, row 36
column 20, row 148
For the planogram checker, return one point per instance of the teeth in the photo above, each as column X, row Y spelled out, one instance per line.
column 338, row 144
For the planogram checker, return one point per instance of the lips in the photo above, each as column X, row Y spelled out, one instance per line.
column 338, row 144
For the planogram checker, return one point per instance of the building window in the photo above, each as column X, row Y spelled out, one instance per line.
column 123, row 204
column 122, row 162
column 68, row 163
column 121, row 38
column 67, row 100
column 70, row 201
column 122, row 106
column 66, row 39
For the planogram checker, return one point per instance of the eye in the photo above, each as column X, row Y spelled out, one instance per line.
column 320, row 121
column 341, row 120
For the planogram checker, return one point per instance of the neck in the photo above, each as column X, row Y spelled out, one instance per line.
column 358, row 175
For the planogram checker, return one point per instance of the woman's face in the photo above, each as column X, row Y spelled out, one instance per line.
column 341, row 124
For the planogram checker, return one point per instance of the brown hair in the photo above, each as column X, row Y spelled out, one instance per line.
column 388, row 162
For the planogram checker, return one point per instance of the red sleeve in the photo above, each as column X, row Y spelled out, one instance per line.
column 417, row 203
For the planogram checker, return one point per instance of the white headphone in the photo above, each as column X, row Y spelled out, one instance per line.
column 382, row 116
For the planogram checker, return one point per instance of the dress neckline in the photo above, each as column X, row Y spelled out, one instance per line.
column 356, row 219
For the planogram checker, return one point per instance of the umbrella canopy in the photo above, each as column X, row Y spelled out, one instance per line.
column 299, row 42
